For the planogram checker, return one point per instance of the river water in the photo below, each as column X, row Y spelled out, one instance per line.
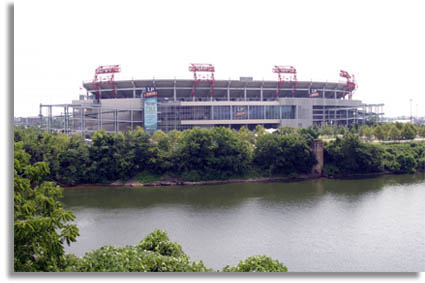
column 374, row 224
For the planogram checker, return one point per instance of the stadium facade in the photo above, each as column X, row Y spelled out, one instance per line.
column 170, row 104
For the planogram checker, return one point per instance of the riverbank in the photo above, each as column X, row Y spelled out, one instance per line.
column 174, row 182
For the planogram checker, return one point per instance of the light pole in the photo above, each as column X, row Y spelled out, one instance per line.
column 411, row 118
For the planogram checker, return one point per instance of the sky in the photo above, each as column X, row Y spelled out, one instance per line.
column 59, row 44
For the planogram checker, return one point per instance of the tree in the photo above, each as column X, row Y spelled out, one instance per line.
column 215, row 153
column 40, row 228
column 327, row 130
column 309, row 134
column 257, row 264
column 283, row 154
column 156, row 253
column 421, row 131
column 285, row 130
column 408, row 131
column 368, row 133
column 259, row 130
column 394, row 133
column 348, row 155
column 379, row 133
column 246, row 135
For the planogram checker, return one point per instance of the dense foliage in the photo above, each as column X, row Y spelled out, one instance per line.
column 286, row 153
column 218, row 153
column 40, row 221
column 156, row 253
column 257, row 264
column 192, row 155
column 348, row 155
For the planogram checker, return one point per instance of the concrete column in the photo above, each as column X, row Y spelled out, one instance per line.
column 175, row 91
column 318, row 153
column 244, row 93
column 228, row 91
column 346, row 116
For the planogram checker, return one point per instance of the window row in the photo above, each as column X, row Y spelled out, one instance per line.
column 243, row 112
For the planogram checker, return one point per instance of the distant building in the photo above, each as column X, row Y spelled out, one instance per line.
column 181, row 104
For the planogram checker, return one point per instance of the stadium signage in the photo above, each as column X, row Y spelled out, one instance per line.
column 150, row 109
column 241, row 113
column 150, row 94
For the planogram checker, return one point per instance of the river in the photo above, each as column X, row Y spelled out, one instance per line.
column 373, row 224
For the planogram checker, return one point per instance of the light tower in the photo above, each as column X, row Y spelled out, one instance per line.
column 351, row 83
column 207, row 74
column 287, row 75
column 105, row 74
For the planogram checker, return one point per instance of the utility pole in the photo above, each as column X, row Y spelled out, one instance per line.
column 411, row 117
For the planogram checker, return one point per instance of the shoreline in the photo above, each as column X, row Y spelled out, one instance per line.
column 170, row 183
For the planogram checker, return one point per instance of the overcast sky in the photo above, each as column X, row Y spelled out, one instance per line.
column 58, row 44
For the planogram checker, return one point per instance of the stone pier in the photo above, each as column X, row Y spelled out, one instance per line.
column 318, row 152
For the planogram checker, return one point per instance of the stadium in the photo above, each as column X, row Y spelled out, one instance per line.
column 177, row 104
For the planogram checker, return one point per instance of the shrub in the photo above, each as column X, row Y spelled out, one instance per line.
column 257, row 264
column 158, row 241
column 283, row 154
column 351, row 156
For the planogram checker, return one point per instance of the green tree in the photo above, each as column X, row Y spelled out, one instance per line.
column 40, row 228
column 283, row 154
column 368, row 133
column 259, row 130
column 246, row 135
column 156, row 253
column 348, row 155
column 379, row 133
column 257, row 264
column 394, row 133
column 309, row 134
column 327, row 130
column 284, row 130
column 212, row 154
column 421, row 131
column 408, row 131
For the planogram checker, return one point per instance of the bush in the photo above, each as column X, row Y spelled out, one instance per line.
column 257, row 264
column 156, row 253
column 283, row 154
column 407, row 163
column 132, row 259
column 158, row 241
column 213, row 154
column 351, row 156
